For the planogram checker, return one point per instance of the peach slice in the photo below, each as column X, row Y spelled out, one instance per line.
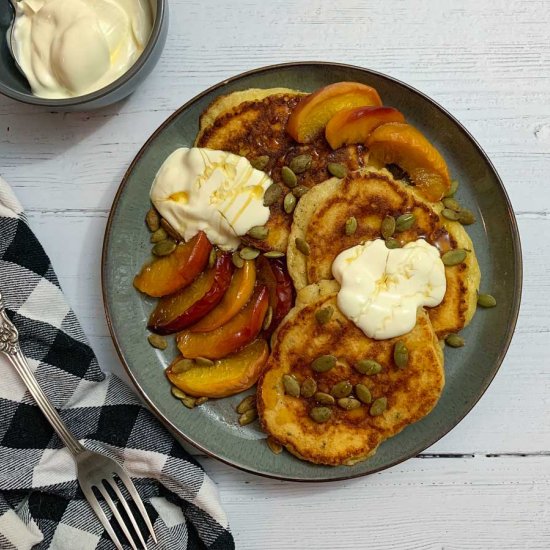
column 312, row 113
column 239, row 292
column 354, row 125
column 404, row 145
column 228, row 376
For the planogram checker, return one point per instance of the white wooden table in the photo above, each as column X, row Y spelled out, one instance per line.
column 486, row 485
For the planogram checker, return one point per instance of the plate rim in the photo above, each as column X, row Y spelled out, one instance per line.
column 516, row 245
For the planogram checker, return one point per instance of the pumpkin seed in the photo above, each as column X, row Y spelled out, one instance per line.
column 320, row 414
column 405, row 221
column 309, row 387
column 157, row 341
column 292, row 387
column 454, row 257
column 259, row 232
column 201, row 401
column 388, row 227
column 324, row 315
column 152, row 219
column 274, row 254
column 392, row 243
column 363, row 393
column 158, row 235
column 289, row 177
column 183, row 365
column 379, row 406
column 368, row 367
column 272, row 194
column 248, row 417
column 176, row 392
column 302, row 246
column 351, row 226
column 337, row 169
column 466, row 217
column 238, row 262
column 172, row 233
column 249, row 402
column 400, row 354
column 212, row 258
column 341, row 389
column 450, row 214
column 301, row 163
column 451, row 203
column 299, row 191
column 324, row 398
column 324, row 363
column 260, row 162
column 452, row 189
column 289, row 203
column 268, row 318
column 249, row 253
column 486, row 300
column 189, row 402
column 274, row 445
column 164, row 248
column 349, row 403
column 203, row 362
column 454, row 341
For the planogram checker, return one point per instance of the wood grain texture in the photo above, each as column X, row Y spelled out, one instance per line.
column 486, row 484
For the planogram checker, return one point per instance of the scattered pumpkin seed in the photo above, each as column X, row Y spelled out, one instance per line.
column 388, row 227
column 320, row 414
column 203, row 362
column 274, row 254
column 341, row 389
column 452, row 189
column 300, row 163
column 450, row 214
column 152, row 219
column 201, row 401
column 466, row 217
column 164, row 248
column 302, row 246
column 349, row 403
column 183, row 365
column 259, row 232
column 292, row 387
column 392, row 243
column 351, row 225
column 289, row 203
column 268, row 318
column 157, row 341
column 189, row 402
column 248, row 417
column 379, row 406
column 324, row 314
column 260, row 162
column 172, row 233
column 363, row 393
column 249, row 253
column 238, row 262
column 309, row 387
column 158, row 235
column 176, row 392
column 323, row 363
column 272, row 194
column 405, row 221
column 324, row 398
column 249, row 402
column 289, row 177
column 274, row 445
column 454, row 341
column 212, row 258
column 454, row 257
column 337, row 169
column 299, row 191
column 368, row 367
column 486, row 300
column 451, row 203
column 400, row 354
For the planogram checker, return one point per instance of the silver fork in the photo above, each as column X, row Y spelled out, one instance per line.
column 93, row 469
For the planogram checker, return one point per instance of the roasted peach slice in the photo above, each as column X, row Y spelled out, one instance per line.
column 178, row 311
column 311, row 115
column 239, row 292
column 404, row 145
column 228, row 376
column 228, row 338
column 354, row 125
column 169, row 274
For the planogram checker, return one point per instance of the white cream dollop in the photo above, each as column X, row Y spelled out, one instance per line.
column 381, row 289
column 214, row 191
column 68, row 48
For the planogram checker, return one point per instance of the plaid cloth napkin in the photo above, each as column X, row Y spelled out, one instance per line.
column 41, row 505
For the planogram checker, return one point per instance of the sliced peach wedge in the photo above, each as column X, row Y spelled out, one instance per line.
column 354, row 125
column 312, row 113
column 228, row 376
column 404, row 145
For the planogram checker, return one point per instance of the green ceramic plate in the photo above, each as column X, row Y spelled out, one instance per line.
column 213, row 427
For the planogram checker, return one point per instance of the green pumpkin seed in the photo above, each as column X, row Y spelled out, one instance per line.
column 368, row 367
column 260, row 162
column 454, row 341
column 158, row 235
column 301, row 163
column 274, row 445
column 289, row 203
column 324, row 363
column 349, row 403
column 268, row 318
column 351, row 226
column 292, row 387
column 450, row 214
column 486, row 300
column 152, row 219
column 400, row 354
column 177, row 393
column 379, row 406
column 189, row 402
column 320, row 414
column 341, row 389
column 238, row 262
column 363, row 393
column 454, row 257
column 172, row 233
column 248, row 417
column 324, row 398
column 299, row 191
column 249, row 253
column 203, row 362
column 324, row 315
column 289, row 177
column 337, row 170
column 272, row 194
column 201, row 401
column 302, row 246
column 249, row 402
column 405, row 221
column 258, row 232
column 392, row 243
column 183, row 365
column 452, row 189
column 164, row 248
column 466, row 217
column 388, row 227
column 309, row 387
column 452, row 204
column 212, row 258
column 157, row 341
column 274, row 254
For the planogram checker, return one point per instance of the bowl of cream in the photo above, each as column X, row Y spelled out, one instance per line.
column 78, row 54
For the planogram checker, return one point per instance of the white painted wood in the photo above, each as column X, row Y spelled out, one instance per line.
column 489, row 64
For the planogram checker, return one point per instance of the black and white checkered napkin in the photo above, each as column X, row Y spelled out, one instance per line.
column 40, row 501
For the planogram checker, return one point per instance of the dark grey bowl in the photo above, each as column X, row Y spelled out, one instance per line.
column 13, row 84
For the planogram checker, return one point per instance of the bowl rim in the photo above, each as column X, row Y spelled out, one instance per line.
column 31, row 99
column 518, row 272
